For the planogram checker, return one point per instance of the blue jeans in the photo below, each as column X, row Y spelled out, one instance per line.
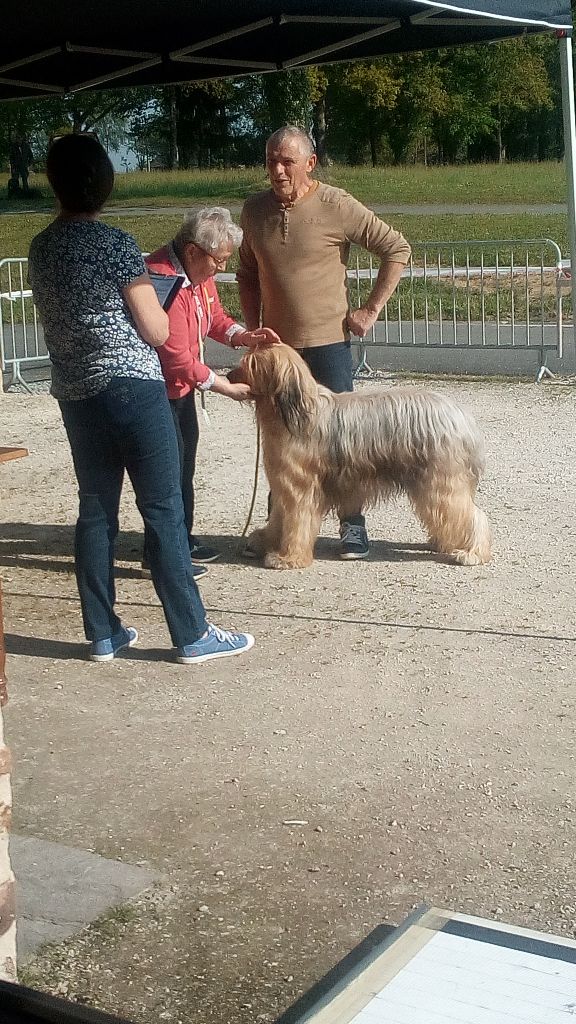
column 330, row 365
column 129, row 426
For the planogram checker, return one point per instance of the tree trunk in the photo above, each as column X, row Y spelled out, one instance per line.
column 225, row 136
column 173, row 157
column 501, row 151
column 319, row 115
column 373, row 147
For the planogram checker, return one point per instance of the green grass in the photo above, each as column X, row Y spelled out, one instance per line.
column 17, row 230
column 474, row 183
column 529, row 183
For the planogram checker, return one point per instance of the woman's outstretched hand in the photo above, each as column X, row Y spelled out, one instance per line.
column 238, row 391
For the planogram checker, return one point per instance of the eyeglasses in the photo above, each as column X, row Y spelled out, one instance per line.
column 218, row 263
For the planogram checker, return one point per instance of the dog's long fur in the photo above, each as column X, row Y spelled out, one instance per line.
column 324, row 451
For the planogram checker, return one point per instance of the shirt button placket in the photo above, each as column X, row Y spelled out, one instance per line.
column 285, row 224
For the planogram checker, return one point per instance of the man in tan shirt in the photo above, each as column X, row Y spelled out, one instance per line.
column 292, row 273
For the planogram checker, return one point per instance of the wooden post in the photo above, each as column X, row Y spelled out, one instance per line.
column 7, row 887
column 7, row 897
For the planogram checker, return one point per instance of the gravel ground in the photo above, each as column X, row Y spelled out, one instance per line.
column 402, row 733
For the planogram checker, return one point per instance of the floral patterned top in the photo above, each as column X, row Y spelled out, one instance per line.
column 77, row 270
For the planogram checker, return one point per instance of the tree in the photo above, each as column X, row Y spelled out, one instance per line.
column 358, row 98
column 104, row 113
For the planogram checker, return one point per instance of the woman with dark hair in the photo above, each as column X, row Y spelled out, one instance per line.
column 102, row 324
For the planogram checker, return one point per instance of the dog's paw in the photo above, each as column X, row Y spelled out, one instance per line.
column 272, row 560
column 467, row 558
column 255, row 546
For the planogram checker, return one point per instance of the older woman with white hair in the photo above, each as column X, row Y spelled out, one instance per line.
column 201, row 248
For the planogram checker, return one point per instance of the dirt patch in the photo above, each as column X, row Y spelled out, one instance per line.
column 417, row 718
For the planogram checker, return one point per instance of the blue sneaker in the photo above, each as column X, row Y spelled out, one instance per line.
column 216, row 643
column 106, row 650
column 353, row 539
column 200, row 553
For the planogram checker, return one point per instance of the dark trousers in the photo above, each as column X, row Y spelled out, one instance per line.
column 129, row 427
column 331, row 365
column 187, row 433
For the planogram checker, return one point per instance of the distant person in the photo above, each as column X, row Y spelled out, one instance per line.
column 200, row 249
column 20, row 156
column 102, row 324
column 292, row 275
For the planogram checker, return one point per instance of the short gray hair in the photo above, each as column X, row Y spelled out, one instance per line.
column 291, row 131
column 211, row 227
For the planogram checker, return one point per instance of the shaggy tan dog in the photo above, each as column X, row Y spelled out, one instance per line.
column 324, row 451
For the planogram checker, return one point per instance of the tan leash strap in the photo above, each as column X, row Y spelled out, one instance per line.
column 255, row 485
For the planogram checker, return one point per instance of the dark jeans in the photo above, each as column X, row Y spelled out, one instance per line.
column 129, row 426
column 187, row 433
column 331, row 365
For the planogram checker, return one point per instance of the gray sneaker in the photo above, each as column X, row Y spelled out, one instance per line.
column 353, row 539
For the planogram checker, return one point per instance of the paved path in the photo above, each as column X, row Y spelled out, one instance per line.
column 418, row 209
column 421, row 209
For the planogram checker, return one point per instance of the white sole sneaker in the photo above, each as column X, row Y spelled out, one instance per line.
column 353, row 556
column 110, row 657
column 183, row 660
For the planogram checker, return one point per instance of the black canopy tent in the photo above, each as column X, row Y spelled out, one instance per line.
column 66, row 46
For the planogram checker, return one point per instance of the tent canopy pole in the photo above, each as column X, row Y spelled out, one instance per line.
column 567, row 73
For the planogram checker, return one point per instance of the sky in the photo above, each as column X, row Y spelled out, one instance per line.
column 118, row 156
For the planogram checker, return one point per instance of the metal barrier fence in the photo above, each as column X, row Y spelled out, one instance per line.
column 473, row 294
column 486, row 294
column 21, row 340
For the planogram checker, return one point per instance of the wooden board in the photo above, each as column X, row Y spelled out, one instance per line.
column 444, row 968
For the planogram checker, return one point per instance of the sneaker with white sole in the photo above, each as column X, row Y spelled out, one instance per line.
column 216, row 643
column 353, row 539
column 200, row 553
column 106, row 650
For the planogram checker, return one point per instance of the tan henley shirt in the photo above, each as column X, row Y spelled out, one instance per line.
column 298, row 255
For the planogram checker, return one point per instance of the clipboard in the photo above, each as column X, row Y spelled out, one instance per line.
column 166, row 287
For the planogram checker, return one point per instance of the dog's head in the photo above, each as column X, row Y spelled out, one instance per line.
column 276, row 373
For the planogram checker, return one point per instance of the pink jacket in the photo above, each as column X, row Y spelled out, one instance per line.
column 196, row 312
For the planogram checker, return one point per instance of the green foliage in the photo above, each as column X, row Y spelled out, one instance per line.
column 470, row 103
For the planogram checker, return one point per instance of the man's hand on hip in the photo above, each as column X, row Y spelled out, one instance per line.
column 361, row 320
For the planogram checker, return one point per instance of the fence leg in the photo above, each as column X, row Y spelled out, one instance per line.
column 363, row 369
column 544, row 372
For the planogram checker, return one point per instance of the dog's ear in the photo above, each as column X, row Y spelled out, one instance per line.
column 291, row 407
column 248, row 371
column 294, row 393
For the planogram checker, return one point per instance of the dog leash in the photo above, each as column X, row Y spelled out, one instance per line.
column 254, row 486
